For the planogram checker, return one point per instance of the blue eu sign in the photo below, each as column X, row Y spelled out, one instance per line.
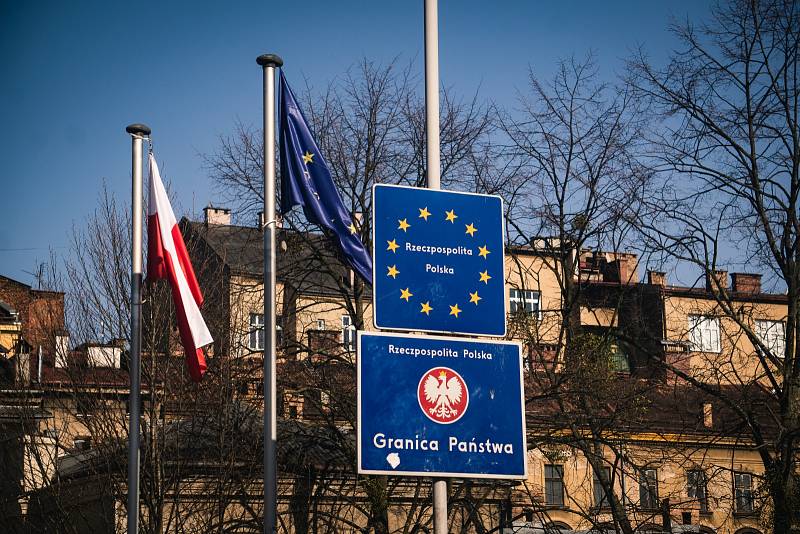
column 438, row 261
column 431, row 405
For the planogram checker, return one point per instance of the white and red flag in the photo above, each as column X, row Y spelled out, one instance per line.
column 167, row 258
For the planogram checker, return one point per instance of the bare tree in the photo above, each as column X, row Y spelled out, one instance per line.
column 573, row 177
column 726, row 149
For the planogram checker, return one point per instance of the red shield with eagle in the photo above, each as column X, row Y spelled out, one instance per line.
column 443, row 395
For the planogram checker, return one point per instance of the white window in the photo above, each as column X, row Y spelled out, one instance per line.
column 348, row 333
column 704, row 333
column 524, row 301
column 62, row 351
column 256, row 335
column 773, row 335
column 256, row 341
column 320, row 324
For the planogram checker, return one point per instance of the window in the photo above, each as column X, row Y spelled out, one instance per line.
column 648, row 489
column 84, row 405
column 320, row 324
column 619, row 360
column 62, row 351
column 348, row 333
column 743, row 492
column 773, row 335
column 554, row 485
column 600, row 496
column 82, row 443
column 256, row 338
column 704, row 333
column 524, row 301
column 696, row 488
column 256, row 341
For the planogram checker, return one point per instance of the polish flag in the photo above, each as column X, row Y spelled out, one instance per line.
column 167, row 258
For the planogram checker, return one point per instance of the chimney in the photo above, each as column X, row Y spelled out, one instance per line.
column 716, row 279
column 746, row 283
column 616, row 271
column 657, row 278
column 708, row 415
column 620, row 269
column 217, row 215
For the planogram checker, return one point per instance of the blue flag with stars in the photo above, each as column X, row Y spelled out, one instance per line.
column 306, row 181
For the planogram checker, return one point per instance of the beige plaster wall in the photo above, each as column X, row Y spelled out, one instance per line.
column 737, row 362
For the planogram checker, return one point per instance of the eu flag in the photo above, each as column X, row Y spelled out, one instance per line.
column 306, row 180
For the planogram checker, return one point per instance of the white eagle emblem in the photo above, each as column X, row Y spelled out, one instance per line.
column 444, row 397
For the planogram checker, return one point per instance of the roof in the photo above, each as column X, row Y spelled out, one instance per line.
column 27, row 286
column 636, row 406
column 7, row 310
column 305, row 260
column 196, row 439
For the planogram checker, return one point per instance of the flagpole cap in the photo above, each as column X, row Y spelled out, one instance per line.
column 269, row 60
column 138, row 129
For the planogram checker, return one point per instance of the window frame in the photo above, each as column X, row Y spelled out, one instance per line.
column 764, row 335
column 519, row 299
column 700, row 323
column 603, row 502
column 255, row 340
column 741, row 493
column 697, row 488
column 551, row 483
column 348, row 333
column 648, row 489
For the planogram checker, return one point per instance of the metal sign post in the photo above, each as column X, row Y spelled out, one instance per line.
column 138, row 132
column 269, row 62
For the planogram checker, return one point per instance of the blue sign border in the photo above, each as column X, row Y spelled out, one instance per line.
column 464, row 475
column 504, row 299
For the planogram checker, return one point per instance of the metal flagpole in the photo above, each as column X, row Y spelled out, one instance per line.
column 269, row 62
column 433, row 167
column 138, row 132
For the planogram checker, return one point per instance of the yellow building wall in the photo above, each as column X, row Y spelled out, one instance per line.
column 671, row 462
column 536, row 273
column 737, row 362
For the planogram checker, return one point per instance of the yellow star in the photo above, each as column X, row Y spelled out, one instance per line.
column 404, row 226
column 308, row 157
column 483, row 252
column 424, row 213
column 485, row 277
column 473, row 297
column 451, row 216
column 352, row 228
column 471, row 229
column 393, row 272
column 406, row 294
column 454, row 310
column 393, row 246
column 426, row 308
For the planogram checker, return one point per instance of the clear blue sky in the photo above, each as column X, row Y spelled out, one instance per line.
column 74, row 74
